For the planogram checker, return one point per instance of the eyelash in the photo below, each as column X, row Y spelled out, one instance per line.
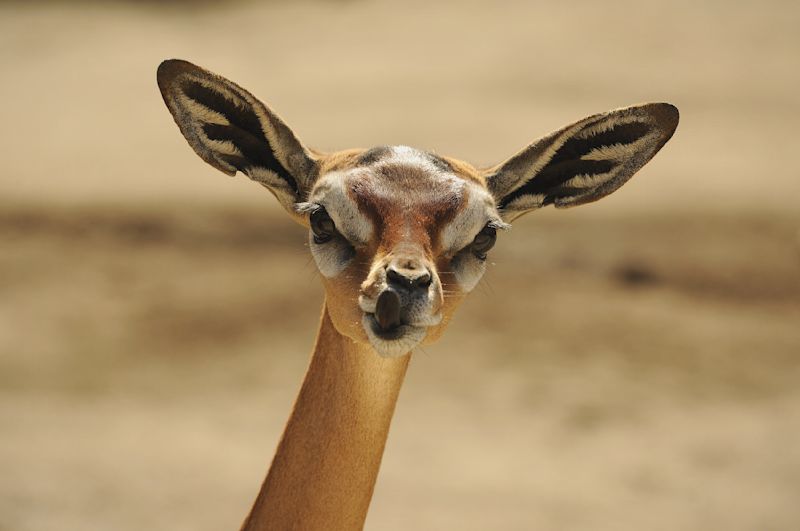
column 322, row 226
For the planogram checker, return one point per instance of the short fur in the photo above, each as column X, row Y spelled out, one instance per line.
column 398, row 209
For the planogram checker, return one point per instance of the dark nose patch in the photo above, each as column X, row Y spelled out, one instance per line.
column 408, row 274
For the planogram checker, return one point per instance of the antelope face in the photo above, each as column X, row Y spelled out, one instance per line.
column 399, row 235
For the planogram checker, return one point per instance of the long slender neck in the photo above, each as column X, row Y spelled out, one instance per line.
column 324, row 470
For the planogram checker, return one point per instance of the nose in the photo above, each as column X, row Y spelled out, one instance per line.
column 408, row 274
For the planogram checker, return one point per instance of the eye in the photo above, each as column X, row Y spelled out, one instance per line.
column 322, row 226
column 483, row 242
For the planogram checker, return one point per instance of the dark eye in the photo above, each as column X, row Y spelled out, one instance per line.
column 322, row 226
column 484, row 241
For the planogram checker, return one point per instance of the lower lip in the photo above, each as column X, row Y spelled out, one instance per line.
column 387, row 335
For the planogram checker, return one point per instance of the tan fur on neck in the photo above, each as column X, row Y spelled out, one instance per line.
column 324, row 471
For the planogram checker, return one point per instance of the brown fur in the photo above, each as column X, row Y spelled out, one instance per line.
column 324, row 471
column 411, row 227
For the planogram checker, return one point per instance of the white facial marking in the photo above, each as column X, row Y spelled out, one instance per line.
column 468, row 270
column 393, row 348
column 367, row 304
column 331, row 257
column 417, row 315
column 467, row 267
column 421, row 309
column 478, row 210
column 334, row 256
column 332, row 193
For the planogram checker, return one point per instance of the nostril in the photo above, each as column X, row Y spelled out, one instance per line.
column 410, row 280
column 393, row 277
column 424, row 280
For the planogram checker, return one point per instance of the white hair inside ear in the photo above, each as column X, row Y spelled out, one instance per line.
column 582, row 162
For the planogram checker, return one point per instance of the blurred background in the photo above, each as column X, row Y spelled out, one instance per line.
column 631, row 364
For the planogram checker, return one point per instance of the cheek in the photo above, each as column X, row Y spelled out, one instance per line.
column 453, row 293
column 341, row 294
column 332, row 258
column 452, row 299
column 467, row 271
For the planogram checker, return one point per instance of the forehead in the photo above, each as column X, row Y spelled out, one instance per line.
column 398, row 175
column 398, row 185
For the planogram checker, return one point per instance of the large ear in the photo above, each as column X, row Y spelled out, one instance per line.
column 582, row 162
column 231, row 130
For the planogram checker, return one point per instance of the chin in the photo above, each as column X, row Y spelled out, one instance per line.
column 393, row 343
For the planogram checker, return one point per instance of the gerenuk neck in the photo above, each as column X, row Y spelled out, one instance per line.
column 324, row 470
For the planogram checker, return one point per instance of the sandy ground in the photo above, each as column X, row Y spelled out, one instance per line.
column 627, row 365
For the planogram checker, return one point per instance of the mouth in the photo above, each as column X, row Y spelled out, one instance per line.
column 386, row 321
column 395, row 341
column 389, row 332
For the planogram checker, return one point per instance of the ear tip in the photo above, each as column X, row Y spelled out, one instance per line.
column 667, row 115
column 170, row 68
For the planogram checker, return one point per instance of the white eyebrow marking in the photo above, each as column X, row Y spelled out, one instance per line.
column 478, row 210
column 331, row 192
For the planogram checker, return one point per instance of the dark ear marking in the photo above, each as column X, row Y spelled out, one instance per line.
column 240, row 117
column 550, row 183
column 253, row 155
column 584, row 161
column 233, row 131
column 623, row 134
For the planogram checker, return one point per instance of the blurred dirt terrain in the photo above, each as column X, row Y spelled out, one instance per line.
column 628, row 365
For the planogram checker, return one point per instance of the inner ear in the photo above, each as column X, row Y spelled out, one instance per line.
column 582, row 162
column 241, row 130
column 233, row 131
